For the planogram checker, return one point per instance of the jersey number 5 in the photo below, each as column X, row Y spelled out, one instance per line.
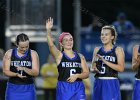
column 103, row 68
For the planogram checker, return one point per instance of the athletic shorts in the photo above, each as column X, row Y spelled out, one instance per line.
column 70, row 91
column 136, row 90
column 20, row 92
column 106, row 89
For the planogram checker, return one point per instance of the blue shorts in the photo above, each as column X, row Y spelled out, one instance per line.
column 106, row 89
column 20, row 92
column 70, row 91
column 136, row 90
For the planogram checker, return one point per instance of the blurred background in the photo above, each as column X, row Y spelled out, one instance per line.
column 83, row 19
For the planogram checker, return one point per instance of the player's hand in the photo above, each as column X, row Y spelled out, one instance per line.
column 20, row 76
column 49, row 23
column 137, row 60
column 96, row 58
column 72, row 78
column 95, row 70
column 101, row 57
column 20, row 68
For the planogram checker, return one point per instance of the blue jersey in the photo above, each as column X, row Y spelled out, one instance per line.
column 69, row 66
column 110, row 56
column 66, row 90
column 24, row 61
column 106, row 84
column 20, row 88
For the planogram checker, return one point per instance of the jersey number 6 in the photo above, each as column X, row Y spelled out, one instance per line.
column 72, row 71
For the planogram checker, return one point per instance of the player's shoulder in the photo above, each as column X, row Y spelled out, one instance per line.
column 136, row 46
column 8, row 52
column 80, row 55
column 33, row 51
column 119, row 49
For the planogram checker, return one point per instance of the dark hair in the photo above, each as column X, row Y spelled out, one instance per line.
column 21, row 37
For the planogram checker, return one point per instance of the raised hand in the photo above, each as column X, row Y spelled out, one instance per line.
column 49, row 23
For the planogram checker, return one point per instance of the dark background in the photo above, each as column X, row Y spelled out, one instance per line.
column 105, row 9
column 108, row 10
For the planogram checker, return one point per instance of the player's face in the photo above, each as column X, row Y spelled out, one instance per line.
column 23, row 46
column 106, row 36
column 67, row 42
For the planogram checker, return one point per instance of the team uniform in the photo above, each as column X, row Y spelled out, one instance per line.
column 17, row 88
column 106, row 84
column 66, row 90
column 136, row 88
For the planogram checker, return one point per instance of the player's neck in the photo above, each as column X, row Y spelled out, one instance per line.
column 69, row 53
column 108, row 47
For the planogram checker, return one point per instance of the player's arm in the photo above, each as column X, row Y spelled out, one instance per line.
column 6, row 64
column 85, row 69
column 35, row 65
column 120, row 59
column 94, row 59
column 53, row 49
column 135, row 57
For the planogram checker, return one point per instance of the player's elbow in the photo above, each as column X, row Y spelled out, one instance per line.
column 121, row 69
column 86, row 75
column 134, row 68
column 5, row 73
column 36, row 73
